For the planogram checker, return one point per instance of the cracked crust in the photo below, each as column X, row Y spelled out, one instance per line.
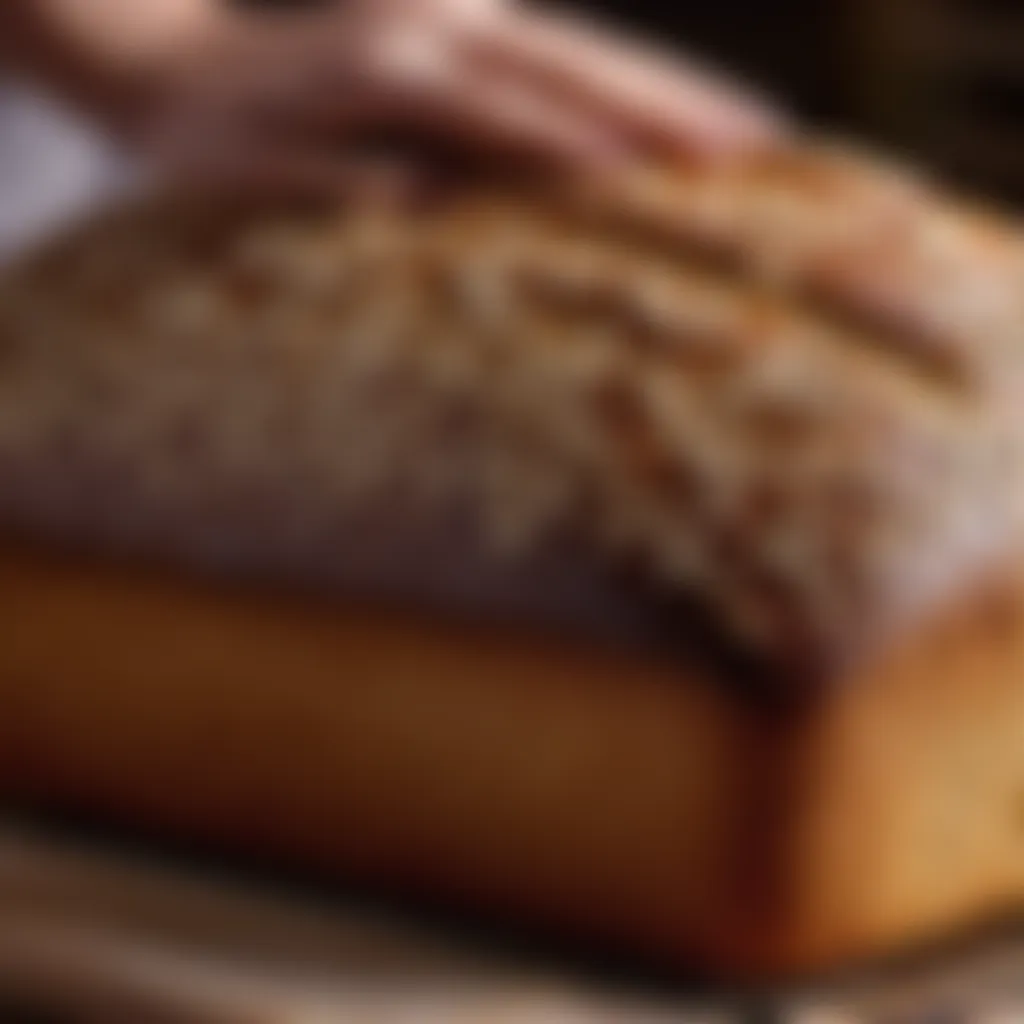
column 784, row 392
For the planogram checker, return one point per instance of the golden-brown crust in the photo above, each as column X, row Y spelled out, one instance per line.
column 817, row 467
column 553, row 783
column 564, row 408
column 869, row 243
column 623, row 801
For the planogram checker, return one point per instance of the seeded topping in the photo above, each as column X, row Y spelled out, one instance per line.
column 870, row 245
column 786, row 391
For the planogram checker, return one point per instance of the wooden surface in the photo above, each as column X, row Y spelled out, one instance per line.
column 96, row 936
column 105, row 937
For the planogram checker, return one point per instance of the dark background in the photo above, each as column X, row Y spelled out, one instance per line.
column 938, row 80
column 789, row 44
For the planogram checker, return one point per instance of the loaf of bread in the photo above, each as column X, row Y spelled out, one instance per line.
column 639, row 563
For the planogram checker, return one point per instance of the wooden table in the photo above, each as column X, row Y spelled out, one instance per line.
column 92, row 934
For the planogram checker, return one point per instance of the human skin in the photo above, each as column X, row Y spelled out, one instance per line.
column 280, row 100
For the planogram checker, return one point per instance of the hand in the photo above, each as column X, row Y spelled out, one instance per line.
column 284, row 101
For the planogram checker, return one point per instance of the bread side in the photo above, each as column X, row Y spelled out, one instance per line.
column 784, row 393
column 911, row 786
column 538, row 783
column 630, row 804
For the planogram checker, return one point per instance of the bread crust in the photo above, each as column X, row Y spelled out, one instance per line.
column 458, row 514
column 821, row 452
column 630, row 804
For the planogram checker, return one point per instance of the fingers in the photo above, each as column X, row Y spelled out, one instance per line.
column 422, row 87
column 500, row 85
column 261, row 167
column 541, row 87
column 649, row 99
column 504, row 120
column 311, row 176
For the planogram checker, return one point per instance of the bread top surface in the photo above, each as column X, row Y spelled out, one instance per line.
column 787, row 393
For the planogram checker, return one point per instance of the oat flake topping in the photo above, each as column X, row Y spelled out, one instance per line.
column 791, row 390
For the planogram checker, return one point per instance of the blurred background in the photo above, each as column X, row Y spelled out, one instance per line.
column 941, row 81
